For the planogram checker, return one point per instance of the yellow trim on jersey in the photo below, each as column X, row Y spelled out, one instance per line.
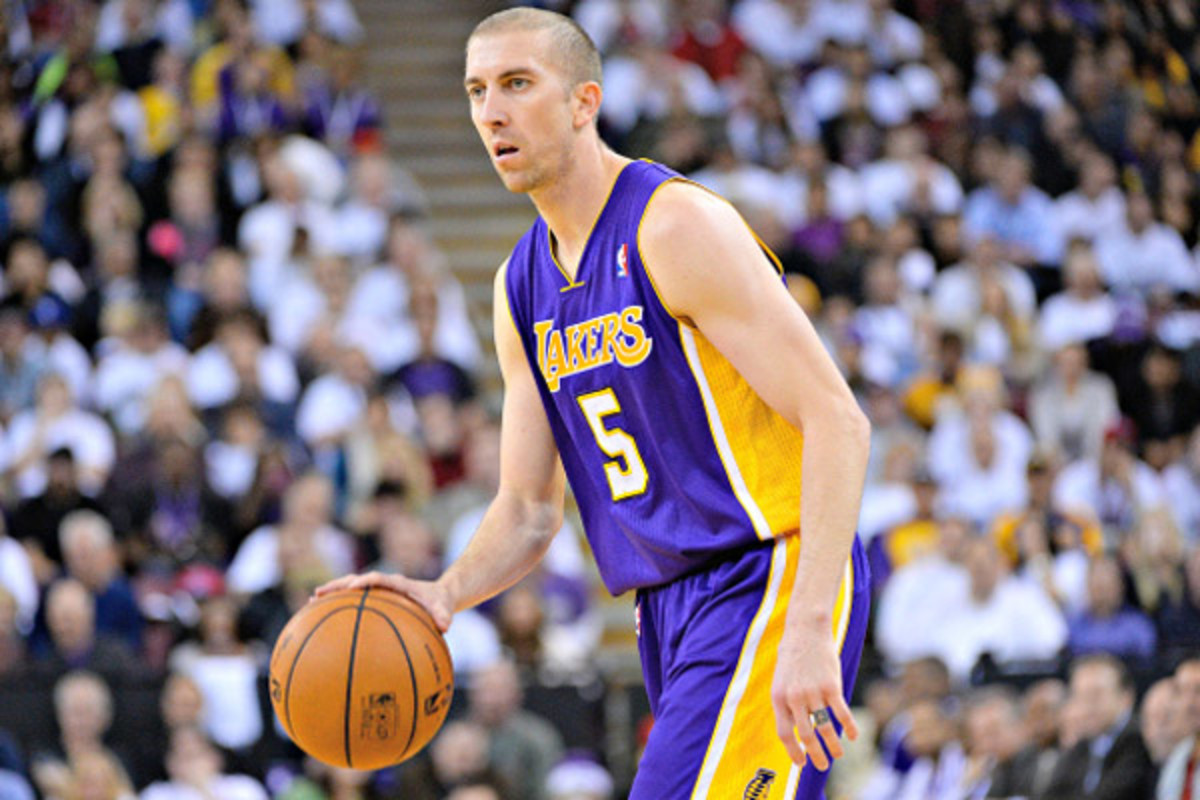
column 774, row 259
column 637, row 242
column 744, row 740
column 573, row 283
column 502, row 277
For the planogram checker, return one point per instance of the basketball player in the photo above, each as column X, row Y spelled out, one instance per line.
column 649, row 347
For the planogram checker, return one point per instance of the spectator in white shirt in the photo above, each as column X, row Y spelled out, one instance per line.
column 380, row 188
column 941, row 770
column 239, row 362
column 231, row 459
column 887, row 320
column 17, row 577
column 267, row 231
column 648, row 83
column 605, row 20
column 195, row 769
column 1072, row 406
column 751, row 187
column 1094, row 208
column 916, row 597
column 284, row 22
column 334, row 403
column 1009, row 618
column 120, row 22
column 851, row 79
column 893, row 38
column 309, row 313
column 133, row 366
column 782, row 30
column 1116, row 487
column 950, row 441
column 53, row 423
column 226, row 670
column 959, row 292
column 1143, row 254
column 380, row 299
column 990, row 485
column 1082, row 311
column 305, row 532
column 908, row 180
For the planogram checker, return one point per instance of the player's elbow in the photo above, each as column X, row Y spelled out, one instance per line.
column 843, row 418
column 542, row 520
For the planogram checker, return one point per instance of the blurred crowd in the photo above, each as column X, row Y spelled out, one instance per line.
column 989, row 209
column 234, row 364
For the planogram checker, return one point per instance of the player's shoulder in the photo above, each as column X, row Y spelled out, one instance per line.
column 683, row 208
column 502, row 270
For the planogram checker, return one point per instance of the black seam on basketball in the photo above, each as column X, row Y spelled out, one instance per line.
column 412, row 675
column 287, row 689
column 350, row 678
column 437, row 635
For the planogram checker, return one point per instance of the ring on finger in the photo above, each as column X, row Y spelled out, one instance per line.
column 819, row 717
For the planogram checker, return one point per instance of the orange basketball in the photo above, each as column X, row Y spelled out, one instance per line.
column 361, row 678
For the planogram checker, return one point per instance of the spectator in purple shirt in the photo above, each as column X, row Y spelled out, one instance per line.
column 339, row 111
column 248, row 107
column 1107, row 624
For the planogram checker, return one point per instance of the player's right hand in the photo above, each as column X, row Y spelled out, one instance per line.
column 427, row 594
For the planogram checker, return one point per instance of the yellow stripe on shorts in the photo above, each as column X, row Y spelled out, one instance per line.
column 744, row 742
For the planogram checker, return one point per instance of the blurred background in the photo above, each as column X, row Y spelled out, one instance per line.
column 247, row 248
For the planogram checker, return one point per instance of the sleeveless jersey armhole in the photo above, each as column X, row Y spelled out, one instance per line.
column 683, row 320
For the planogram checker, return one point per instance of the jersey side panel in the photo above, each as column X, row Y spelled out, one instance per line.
column 766, row 449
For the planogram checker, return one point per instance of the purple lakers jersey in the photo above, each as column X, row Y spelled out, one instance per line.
column 672, row 457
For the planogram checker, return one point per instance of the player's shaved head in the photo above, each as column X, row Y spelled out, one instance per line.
column 571, row 47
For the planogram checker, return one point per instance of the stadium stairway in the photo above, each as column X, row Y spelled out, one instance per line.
column 414, row 64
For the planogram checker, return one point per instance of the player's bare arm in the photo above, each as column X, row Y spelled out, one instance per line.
column 712, row 274
column 526, row 512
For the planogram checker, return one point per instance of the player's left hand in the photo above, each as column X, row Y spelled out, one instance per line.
column 808, row 679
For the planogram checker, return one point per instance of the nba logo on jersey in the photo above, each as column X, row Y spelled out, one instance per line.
column 623, row 261
column 760, row 785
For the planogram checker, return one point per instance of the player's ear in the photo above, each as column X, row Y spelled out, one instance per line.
column 585, row 101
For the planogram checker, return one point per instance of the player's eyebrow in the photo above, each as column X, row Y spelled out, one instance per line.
column 470, row 80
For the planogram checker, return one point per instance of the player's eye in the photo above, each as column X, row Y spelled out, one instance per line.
column 475, row 92
column 518, row 83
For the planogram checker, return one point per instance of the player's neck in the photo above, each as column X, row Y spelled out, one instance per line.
column 571, row 205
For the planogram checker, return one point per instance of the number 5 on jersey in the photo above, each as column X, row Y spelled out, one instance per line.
column 630, row 479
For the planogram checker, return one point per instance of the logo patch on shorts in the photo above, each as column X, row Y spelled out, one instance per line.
column 759, row 786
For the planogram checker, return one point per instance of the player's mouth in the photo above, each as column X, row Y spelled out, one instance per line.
column 503, row 152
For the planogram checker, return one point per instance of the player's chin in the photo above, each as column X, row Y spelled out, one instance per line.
column 515, row 182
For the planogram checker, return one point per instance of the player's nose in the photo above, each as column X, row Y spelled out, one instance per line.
column 491, row 111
